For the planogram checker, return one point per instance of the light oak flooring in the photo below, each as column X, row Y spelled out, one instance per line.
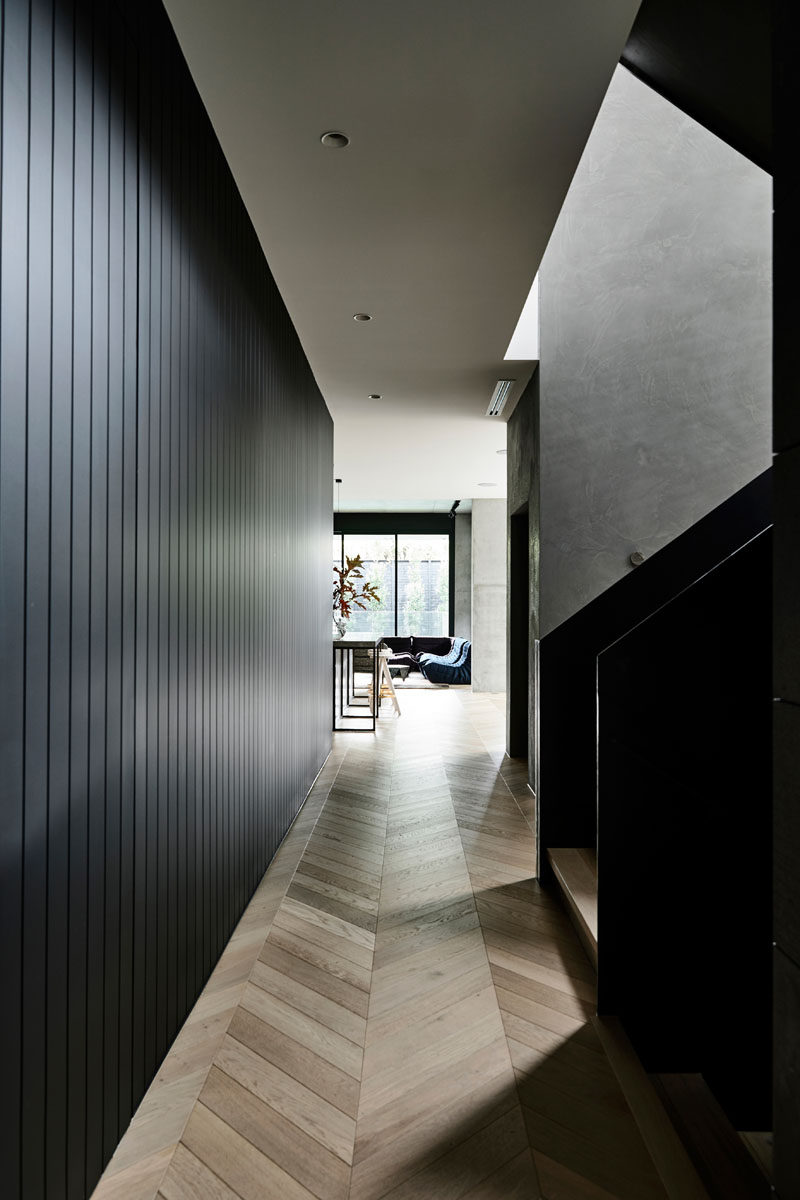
column 403, row 1011
column 576, row 874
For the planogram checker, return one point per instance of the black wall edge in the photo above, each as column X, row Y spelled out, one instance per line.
column 713, row 60
column 522, row 475
column 517, row 698
column 786, row 651
column 567, row 697
column 685, row 833
column 165, row 519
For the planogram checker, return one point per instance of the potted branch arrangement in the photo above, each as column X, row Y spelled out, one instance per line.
column 349, row 592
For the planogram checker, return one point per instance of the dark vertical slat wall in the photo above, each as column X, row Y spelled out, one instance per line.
column 13, row 513
column 35, row 628
column 786, row 672
column 165, row 468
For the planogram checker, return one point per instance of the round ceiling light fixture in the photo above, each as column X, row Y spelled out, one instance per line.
column 334, row 139
column 362, row 317
column 374, row 395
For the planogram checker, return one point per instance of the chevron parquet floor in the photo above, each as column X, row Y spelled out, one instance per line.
column 417, row 1023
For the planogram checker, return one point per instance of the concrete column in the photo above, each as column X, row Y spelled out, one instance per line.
column 488, row 595
column 462, row 626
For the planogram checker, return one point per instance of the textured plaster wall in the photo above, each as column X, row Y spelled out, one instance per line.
column 488, row 595
column 463, row 571
column 655, row 343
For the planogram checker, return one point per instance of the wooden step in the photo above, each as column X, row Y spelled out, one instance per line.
column 728, row 1169
column 672, row 1161
column 760, row 1146
column 576, row 875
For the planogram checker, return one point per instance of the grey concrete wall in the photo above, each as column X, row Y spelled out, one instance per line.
column 655, row 343
column 462, row 600
column 488, row 595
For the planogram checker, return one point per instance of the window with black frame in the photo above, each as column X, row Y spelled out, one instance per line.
column 423, row 585
column 412, row 575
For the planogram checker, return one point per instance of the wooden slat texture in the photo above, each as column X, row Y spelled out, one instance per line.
column 165, row 465
column 417, row 1020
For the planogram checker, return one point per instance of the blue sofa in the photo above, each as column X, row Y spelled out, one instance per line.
column 448, row 668
column 440, row 659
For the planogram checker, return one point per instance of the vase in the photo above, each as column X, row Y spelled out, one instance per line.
column 339, row 627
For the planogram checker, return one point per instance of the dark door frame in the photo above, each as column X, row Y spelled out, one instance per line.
column 518, row 630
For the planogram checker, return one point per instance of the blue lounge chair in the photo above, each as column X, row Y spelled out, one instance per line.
column 448, row 668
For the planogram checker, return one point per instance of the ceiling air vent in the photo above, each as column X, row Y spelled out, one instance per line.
column 499, row 396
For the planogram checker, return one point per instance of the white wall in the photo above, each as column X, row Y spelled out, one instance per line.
column 488, row 595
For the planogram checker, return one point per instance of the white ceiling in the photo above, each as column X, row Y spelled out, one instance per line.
column 466, row 122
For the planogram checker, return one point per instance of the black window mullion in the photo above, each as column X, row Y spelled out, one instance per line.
column 451, row 581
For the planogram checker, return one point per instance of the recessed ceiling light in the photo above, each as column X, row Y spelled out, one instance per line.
column 374, row 395
column 361, row 317
column 487, row 485
column 335, row 140
column 501, row 451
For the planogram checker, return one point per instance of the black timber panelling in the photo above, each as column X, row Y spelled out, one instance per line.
column 568, row 737
column 786, row 651
column 165, row 519
column 685, row 834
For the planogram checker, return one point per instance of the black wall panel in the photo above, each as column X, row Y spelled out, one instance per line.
column 685, row 829
column 165, row 470
column 786, row 650
column 567, row 698
column 522, row 472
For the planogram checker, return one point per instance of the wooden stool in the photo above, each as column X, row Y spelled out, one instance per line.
column 385, row 682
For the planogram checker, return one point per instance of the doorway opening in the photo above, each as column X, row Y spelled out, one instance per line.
column 518, row 626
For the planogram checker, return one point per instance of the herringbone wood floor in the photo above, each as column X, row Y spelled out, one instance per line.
column 417, row 1021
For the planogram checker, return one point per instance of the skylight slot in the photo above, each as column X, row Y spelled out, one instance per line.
column 524, row 343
